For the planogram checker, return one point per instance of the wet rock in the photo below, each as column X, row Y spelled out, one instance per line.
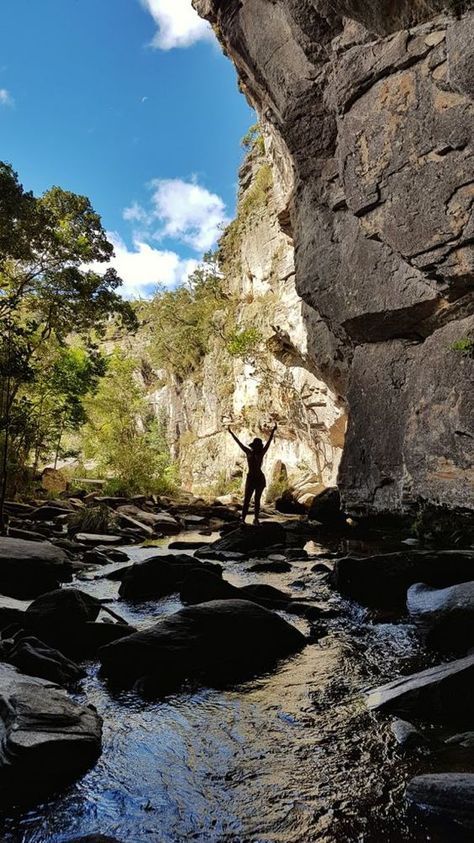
column 165, row 523
column 160, row 575
column 465, row 740
column 310, row 611
column 31, row 568
column 447, row 795
column 296, row 554
column 47, row 739
column 34, row 658
column 127, row 522
column 95, row 557
column 98, row 538
column 201, row 585
column 218, row 555
column 210, row 642
column 149, row 519
column 439, row 693
column 113, row 553
column 321, row 568
column 94, row 838
column 66, row 619
column 326, row 508
column 407, row 736
column 27, row 535
column 447, row 613
column 247, row 538
column 186, row 545
column 275, row 566
column 383, row 580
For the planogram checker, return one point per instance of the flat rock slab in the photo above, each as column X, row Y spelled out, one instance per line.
column 47, row 738
column 97, row 538
column 441, row 692
column 248, row 538
column 210, row 642
column 447, row 795
column 383, row 580
column 29, row 568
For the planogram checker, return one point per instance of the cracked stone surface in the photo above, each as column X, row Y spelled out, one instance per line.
column 368, row 115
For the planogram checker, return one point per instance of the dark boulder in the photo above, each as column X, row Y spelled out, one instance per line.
column 447, row 614
column 271, row 566
column 447, row 795
column 407, row 736
column 47, row 739
column 28, row 569
column 160, row 576
column 66, row 619
column 438, row 693
column 201, row 585
column 210, row 642
column 383, row 580
column 326, row 508
column 34, row 658
column 289, row 505
column 246, row 538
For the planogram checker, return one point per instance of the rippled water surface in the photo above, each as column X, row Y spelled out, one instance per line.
column 289, row 756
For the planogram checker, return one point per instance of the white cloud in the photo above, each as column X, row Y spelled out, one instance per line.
column 179, row 25
column 5, row 97
column 142, row 268
column 185, row 211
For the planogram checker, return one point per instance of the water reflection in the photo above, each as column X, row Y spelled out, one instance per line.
column 290, row 756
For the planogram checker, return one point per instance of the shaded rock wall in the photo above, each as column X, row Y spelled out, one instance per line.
column 368, row 117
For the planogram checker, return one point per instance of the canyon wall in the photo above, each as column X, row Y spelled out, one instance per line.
column 270, row 379
column 366, row 108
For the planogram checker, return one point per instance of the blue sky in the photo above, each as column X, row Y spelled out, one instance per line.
column 132, row 103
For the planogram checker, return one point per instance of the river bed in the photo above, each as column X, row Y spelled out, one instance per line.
column 290, row 756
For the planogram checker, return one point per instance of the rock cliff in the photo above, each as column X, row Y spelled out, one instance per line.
column 367, row 113
column 271, row 377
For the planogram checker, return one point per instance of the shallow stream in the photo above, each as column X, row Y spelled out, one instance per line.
column 290, row 756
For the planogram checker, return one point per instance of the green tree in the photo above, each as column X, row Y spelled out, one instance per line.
column 123, row 436
column 48, row 288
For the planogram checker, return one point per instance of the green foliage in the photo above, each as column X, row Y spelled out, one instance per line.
column 180, row 323
column 253, row 139
column 46, row 293
column 464, row 346
column 244, row 343
column 126, row 441
column 225, row 485
column 276, row 488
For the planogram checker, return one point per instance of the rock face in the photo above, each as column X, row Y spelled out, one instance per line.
column 46, row 737
column 29, row 568
column 367, row 116
column 212, row 641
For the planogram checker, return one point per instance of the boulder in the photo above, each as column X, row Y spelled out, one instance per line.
column 210, row 642
column 31, row 568
column 447, row 795
column 271, row 566
column 289, row 505
column 438, row 693
column 247, row 538
column 166, row 523
column 407, row 736
column 447, row 613
column 49, row 512
column 202, row 585
column 465, row 740
column 34, row 658
column 160, row 575
column 383, row 580
column 47, row 739
column 326, row 508
column 149, row 519
column 66, row 619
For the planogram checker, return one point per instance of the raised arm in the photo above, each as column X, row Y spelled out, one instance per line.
column 239, row 443
column 270, row 438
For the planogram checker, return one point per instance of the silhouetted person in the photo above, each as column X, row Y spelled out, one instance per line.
column 255, row 481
